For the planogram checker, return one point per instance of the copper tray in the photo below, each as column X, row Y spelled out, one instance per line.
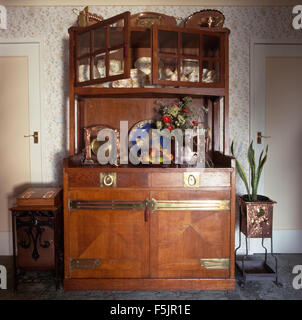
column 147, row 19
column 205, row 18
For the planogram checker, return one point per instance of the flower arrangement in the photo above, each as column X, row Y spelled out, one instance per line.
column 175, row 116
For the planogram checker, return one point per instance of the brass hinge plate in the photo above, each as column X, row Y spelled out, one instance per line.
column 84, row 263
column 215, row 263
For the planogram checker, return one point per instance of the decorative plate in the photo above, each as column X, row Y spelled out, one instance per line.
column 146, row 126
column 205, row 18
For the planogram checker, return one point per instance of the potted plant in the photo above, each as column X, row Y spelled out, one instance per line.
column 256, row 211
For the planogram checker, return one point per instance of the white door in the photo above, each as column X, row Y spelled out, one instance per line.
column 276, row 112
column 19, row 116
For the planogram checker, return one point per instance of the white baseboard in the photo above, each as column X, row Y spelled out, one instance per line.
column 6, row 244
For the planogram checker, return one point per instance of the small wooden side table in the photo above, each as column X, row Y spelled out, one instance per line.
column 38, row 233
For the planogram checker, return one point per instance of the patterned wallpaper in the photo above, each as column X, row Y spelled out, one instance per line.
column 51, row 25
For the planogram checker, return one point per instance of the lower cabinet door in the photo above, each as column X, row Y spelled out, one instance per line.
column 190, row 238
column 109, row 236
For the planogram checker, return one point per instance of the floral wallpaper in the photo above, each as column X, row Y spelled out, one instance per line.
column 51, row 25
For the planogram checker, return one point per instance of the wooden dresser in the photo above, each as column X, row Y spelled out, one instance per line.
column 147, row 227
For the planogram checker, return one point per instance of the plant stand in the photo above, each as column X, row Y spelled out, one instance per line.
column 255, row 269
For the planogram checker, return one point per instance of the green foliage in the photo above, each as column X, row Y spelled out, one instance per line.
column 255, row 170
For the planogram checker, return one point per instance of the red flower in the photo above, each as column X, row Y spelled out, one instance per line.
column 175, row 105
column 166, row 119
column 170, row 128
column 195, row 123
column 185, row 110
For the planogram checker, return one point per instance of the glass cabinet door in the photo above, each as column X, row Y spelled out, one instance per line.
column 101, row 51
column 187, row 57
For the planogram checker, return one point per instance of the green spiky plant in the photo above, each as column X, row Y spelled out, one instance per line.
column 255, row 171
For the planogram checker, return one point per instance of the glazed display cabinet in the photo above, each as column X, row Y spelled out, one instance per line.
column 148, row 226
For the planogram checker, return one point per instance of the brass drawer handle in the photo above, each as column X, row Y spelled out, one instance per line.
column 191, row 179
column 108, row 179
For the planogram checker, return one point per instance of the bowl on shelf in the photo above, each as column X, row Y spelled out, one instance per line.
column 143, row 64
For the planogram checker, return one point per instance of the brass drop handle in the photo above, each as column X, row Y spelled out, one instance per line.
column 191, row 180
column 108, row 180
column 35, row 135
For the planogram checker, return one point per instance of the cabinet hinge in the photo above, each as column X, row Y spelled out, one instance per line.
column 215, row 263
column 84, row 263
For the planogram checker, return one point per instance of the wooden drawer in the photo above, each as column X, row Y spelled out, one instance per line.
column 93, row 178
column 203, row 178
column 149, row 178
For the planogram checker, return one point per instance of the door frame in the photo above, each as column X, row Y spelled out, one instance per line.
column 35, row 111
column 35, row 99
column 253, row 62
column 281, row 246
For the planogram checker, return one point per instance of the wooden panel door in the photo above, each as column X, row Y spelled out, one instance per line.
column 109, row 235
column 192, row 242
column 101, row 51
column 188, row 57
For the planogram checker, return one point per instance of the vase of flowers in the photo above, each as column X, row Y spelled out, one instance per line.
column 175, row 116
